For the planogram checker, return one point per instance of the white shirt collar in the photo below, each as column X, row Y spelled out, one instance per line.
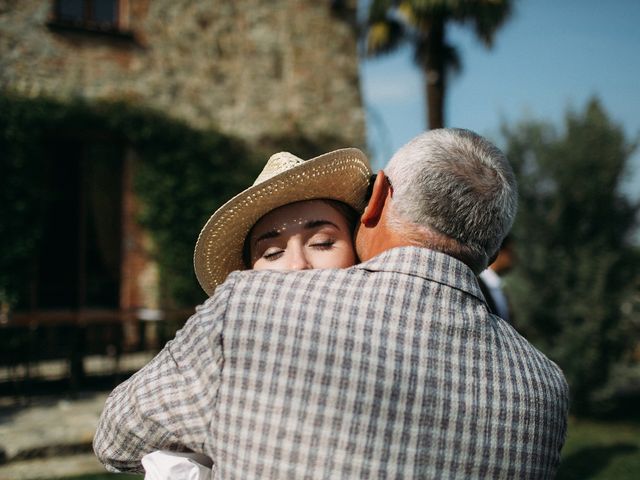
column 491, row 278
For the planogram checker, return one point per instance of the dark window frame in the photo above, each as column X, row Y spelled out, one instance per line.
column 87, row 22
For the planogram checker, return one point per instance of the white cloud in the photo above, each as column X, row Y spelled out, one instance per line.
column 383, row 82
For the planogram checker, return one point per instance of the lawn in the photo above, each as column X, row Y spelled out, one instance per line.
column 104, row 476
column 598, row 450
column 595, row 450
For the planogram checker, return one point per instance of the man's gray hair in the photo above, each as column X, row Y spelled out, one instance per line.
column 453, row 191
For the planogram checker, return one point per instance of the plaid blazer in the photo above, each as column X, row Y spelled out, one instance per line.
column 393, row 368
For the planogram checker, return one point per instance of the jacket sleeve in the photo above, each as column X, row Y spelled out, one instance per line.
column 168, row 404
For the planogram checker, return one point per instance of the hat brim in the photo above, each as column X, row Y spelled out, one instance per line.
column 339, row 175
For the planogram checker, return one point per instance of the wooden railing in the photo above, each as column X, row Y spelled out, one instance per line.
column 28, row 338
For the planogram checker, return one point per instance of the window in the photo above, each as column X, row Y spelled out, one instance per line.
column 97, row 15
column 79, row 262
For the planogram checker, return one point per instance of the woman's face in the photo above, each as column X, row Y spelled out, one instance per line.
column 300, row 236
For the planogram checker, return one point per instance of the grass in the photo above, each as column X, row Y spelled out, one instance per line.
column 104, row 476
column 595, row 450
column 601, row 450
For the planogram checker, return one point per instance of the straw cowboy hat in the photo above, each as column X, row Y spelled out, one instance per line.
column 339, row 175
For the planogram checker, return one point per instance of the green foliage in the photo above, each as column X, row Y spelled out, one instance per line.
column 415, row 18
column 181, row 176
column 22, row 203
column 574, row 240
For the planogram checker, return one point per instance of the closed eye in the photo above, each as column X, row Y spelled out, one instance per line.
column 323, row 245
column 272, row 254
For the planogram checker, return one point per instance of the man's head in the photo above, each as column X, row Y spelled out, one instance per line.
column 450, row 190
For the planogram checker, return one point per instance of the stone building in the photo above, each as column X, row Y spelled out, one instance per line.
column 251, row 67
column 259, row 70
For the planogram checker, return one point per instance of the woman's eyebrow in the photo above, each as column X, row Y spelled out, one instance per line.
column 307, row 226
column 319, row 223
column 266, row 235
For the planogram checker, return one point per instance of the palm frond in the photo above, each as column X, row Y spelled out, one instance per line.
column 378, row 11
column 383, row 37
column 452, row 59
column 486, row 16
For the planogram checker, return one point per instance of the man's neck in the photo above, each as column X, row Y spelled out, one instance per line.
column 373, row 240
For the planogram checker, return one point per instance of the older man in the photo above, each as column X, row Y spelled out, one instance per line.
column 393, row 368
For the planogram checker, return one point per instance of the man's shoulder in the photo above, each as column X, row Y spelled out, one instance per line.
column 414, row 264
column 247, row 277
column 264, row 284
column 384, row 262
column 413, row 261
column 529, row 357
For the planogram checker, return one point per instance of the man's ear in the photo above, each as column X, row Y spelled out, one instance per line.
column 379, row 192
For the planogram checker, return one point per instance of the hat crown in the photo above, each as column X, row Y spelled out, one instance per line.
column 278, row 163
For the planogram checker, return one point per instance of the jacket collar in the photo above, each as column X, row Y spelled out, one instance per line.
column 428, row 264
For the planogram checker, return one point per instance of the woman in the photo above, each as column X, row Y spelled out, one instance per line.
column 297, row 215
column 336, row 184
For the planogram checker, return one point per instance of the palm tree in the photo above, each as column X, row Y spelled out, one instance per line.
column 423, row 23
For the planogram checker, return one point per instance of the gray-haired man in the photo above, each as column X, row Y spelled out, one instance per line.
column 393, row 368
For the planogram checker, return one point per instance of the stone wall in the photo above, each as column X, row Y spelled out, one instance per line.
column 254, row 68
column 261, row 70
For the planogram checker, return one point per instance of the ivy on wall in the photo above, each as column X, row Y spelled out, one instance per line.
column 181, row 177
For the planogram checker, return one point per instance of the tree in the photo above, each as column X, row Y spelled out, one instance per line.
column 574, row 234
column 423, row 23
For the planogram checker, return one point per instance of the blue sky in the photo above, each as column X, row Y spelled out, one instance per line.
column 549, row 57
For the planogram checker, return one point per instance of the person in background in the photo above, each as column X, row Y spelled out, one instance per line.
column 490, row 280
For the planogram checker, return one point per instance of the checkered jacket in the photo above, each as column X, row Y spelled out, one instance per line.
column 390, row 369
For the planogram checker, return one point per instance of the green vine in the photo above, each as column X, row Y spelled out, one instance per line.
column 182, row 175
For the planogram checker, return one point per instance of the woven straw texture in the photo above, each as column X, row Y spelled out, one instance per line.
column 339, row 175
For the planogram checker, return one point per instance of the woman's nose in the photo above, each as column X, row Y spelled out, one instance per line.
column 298, row 260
